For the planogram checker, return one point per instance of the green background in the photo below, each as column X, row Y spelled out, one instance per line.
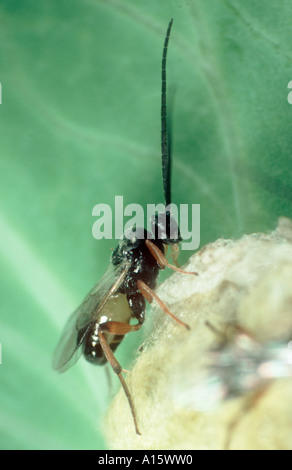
column 79, row 124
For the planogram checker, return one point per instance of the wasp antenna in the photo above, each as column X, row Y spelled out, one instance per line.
column 165, row 142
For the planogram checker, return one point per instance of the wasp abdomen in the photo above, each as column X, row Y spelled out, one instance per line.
column 116, row 309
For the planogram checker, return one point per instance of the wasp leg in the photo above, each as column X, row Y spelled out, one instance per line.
column 109, row 379
column 174, row 254
column 229, row 332
column 149, row 295
column 249, row 401
column 118, row 370
column 221, row 335
column 119, row 328
column 161, row 260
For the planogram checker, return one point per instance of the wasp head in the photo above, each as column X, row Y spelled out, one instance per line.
column 165, row 228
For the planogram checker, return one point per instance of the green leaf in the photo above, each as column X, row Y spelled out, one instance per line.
column 80, row 124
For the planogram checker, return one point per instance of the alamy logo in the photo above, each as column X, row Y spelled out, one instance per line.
column 289, row 98
column 186, row 216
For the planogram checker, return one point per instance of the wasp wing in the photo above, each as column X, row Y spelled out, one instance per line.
column 68, row 349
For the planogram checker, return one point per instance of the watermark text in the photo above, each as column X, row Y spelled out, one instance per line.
column 109, row 225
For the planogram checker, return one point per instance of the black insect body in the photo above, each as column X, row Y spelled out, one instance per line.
column 98, row 326
column 133, row 259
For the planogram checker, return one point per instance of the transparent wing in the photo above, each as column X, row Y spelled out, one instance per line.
column 68, row 349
